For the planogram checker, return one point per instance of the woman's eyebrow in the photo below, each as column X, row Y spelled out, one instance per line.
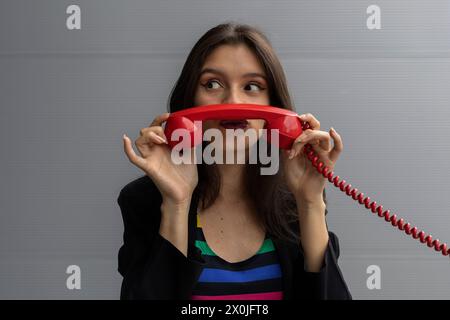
column 219, row 72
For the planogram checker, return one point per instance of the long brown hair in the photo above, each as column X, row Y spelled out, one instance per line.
column 275, row 204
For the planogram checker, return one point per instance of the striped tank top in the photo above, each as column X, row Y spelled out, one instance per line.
column 256, row 278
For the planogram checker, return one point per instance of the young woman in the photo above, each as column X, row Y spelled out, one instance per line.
column 224, row 231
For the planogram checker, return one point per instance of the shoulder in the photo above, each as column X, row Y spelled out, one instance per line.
column 140, row 199
column 140, row 189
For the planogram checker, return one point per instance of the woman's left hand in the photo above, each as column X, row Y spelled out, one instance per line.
column 303, row 180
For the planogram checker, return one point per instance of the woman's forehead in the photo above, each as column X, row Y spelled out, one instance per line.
column 227, row 58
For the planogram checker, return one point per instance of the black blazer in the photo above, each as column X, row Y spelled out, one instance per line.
column 153, row 268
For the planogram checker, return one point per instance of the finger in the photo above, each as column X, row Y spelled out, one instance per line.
column 315, row 137
column 313, row 122
column 154, row 131
column 159, row 131
column 297, row 145
column 132, row 156
column 160, row 119
column 156, row 138
column 147, row 141
column 321, row 139
column 338, row 145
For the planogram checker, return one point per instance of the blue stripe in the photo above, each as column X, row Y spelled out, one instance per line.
column 218, row 275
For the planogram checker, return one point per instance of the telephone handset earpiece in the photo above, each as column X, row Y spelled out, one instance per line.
column 290, row 126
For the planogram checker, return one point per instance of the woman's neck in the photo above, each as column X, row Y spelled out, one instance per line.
column 233, row 187
column 233, row 194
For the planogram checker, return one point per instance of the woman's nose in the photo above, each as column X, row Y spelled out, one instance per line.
column 233, row 97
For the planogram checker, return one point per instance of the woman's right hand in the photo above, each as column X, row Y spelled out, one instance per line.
column 175, row 182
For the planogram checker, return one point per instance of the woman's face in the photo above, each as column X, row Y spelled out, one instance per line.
column 232, row 74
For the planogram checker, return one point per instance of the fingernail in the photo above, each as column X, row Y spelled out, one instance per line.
column 332, row 129
column 162, row 139
column 124, row 136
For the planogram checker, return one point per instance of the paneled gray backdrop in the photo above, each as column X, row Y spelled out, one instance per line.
column 68, row 96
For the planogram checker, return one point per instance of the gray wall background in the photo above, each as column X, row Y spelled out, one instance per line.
column 68, row 96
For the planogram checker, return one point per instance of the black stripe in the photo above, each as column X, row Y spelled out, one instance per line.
column 199, row 234
column 223, row 288
column 259, row 260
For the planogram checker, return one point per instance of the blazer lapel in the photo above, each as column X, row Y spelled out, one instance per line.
column 286, row 255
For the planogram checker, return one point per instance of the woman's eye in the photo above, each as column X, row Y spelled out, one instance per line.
column 214, row 84
column 254, row 85
column 209, row 85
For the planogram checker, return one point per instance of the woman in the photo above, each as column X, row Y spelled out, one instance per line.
column 224, row 231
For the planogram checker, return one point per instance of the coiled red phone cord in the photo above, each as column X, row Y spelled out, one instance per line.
column 353, row 192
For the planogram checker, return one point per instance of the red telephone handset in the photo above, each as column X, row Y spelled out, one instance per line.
column 290, row 126
column 286, row 121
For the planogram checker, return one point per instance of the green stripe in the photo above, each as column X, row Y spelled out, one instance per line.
column 206, row 250
column 266, row 247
